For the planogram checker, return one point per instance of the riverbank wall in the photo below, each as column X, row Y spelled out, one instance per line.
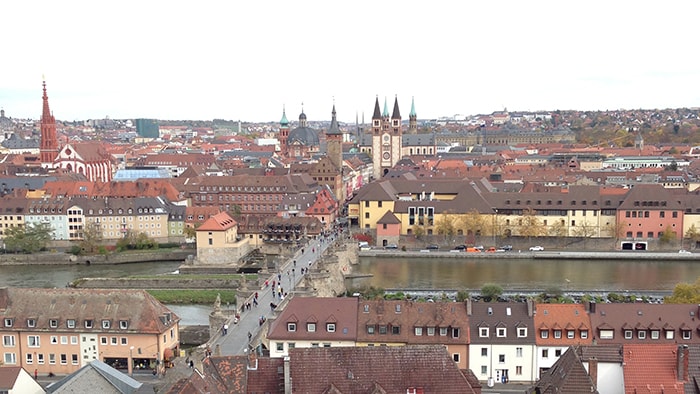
column 167, row 282
column 112, row 258
column 542, row 255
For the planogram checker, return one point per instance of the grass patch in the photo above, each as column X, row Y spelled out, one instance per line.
column 194, row 296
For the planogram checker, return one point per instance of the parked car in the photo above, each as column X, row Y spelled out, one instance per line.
column 506, row 248
column 391, row 246
column 461, row 247
column 536, row 248
column 491, row 250
column 480, row 247
column 683, row 251
column 433, row 247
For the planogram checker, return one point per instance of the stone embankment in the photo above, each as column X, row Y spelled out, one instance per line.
column 543, row 255
column 112, row 258
column 167, row 282
column 328, row 277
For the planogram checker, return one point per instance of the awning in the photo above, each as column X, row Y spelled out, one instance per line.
column 168, row 354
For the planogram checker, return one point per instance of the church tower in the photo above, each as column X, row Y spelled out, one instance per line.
column 284, row 133
column 386, row 138
column 412, row 119
column 48, row 148
column 334, row 142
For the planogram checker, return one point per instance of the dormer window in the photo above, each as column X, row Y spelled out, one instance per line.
column 365, row 309
column 53, row 323
column 628, row 334
column 501, row 332
column 31, row 323
column 8, row 322
column 105, row 324
column 544, row 334
column 522, row 332
column 557, row 334
column 311, row 327
column 483, row 332
column 88, row 323
column 330, row 327
column 70, row 323
column 123, row 324
column 584, row 334
column 398, row 308
column 291, row 327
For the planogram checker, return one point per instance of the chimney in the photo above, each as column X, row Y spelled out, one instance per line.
column 682, row 358
column 590, row 307
column 469, row 306
column 530, row 307
column 593, row 370
column 287, row 378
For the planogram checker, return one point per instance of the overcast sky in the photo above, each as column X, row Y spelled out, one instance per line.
column 247, row 59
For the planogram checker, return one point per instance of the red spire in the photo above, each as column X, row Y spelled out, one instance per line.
column 49, row 143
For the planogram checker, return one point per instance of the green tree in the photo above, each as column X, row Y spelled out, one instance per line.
column 418, row 230
column 667, row 236
column 685, row 293
column 491, row 292
column 693, row 235
column 28, row 239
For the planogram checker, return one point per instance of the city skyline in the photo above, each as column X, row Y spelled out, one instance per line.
column 248, row 61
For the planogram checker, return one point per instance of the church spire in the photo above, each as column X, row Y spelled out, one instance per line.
column 333, row 128
column 396, row 114
column 48, row 148
column 385, row 113
column 413, row 108
column 377, row 113
column 284, row 122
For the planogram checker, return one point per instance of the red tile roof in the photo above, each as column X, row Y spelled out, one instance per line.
column 651, row 369
column 220, row 222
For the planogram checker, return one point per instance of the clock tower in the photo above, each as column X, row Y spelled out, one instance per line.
column 386, row 138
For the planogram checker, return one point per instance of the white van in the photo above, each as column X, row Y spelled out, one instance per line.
column 363, row 245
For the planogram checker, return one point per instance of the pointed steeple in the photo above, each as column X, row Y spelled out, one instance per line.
column 333, row 129
column 377, row 113
column 46, row 112
column 413, row 108
column 48, row 147
column 385, row 113
column 396, row 114
column 302, row 117
column 284, row 122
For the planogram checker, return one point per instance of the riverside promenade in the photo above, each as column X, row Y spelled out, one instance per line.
column 543, row 255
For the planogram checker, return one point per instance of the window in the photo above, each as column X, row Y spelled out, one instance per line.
column 33, row 341
column 52, row 358
column 522, row 332
column 570, row 334
column 311, row 327
column 113, row 340
column 669, row 334
column 419, row 331
column 686, row 334
column 455, row 357
column 291, row 327
column 443, row 331
column 606, row 334
column 641, row 334
column 8, row 340
column 64, row 359
column 518, row 352
column 518, row 370
column 105, row 324
column 54, row 339
column 628, row 334
column 545, row 353
column 10, row 358
column 330, row 327
column 483, row 332
column 73, row 340
column 53, row 323
column 584, row 334
column 70, row 323
column 279, row 346
column 654, row 334
column 124, row 341
column 484, row 370
column 31, row 323
column 501, row 332
column 544, row 334
column 431, row 331
column 8, row 322
column 123, row 324
column 382, row 329
column 455, row 333
column 40, row 358
column 501, row 358
column 370, row 329
column 395, row 330
column 103, row 340
column 484, row 352
column 30, row 358
column 674, row 214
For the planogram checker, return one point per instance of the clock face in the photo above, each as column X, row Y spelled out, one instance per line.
column 386, row 138
column 386, row 155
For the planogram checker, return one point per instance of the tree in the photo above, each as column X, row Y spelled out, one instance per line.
column 92, row 237
column 474, row 223
column 418, row 230
column 491, row 292
column 531, row 226
column 28, row 239
column 139, row 241
column 445, row 226
column 558, row 230
column 693, row 235
column 667, row 236
column 685, row 293
column 584, row 230
column 615, row 229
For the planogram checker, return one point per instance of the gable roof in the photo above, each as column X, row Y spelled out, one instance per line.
column 651, row 368
column 341, row 311
column 96, row 377
column 389, row 218
column 8, row 377
column 567, row 375
column 222, row 221
column 567, row 317
column 354, row 370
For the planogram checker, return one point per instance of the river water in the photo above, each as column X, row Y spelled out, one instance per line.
column 523, row 274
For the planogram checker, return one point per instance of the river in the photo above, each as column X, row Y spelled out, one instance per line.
column 523, row 274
